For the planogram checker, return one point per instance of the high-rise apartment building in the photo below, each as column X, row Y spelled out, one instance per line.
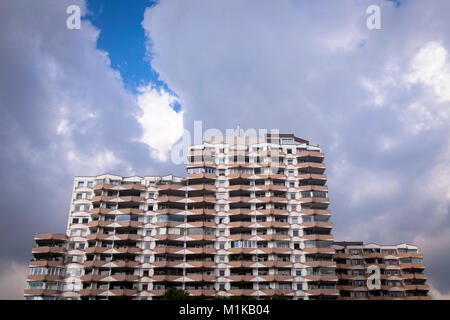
column 251, row 218
column 400, row 269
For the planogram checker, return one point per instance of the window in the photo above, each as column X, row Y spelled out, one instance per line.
column 222, row 273
column 243, row 244
column 35, row 285
column 290, row 161
column 294, row 220
column 221, row 220
column 291, row 184
column 289, row 151
column 222, row 245
column 222, row 286
column 284, row 286
column 201, row 170
column 299, row 286
column 295, row 233
column 79, row 195
column 282, row 244
column 298, row 273
column 85, row 220
column 90, row 184
column 80, row 184
column 75, row 220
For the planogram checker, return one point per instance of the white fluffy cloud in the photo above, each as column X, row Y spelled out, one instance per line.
column 162, row 125
column 431, row 68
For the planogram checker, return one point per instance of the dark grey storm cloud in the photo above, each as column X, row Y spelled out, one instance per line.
column 376, row 101
column 64, row 112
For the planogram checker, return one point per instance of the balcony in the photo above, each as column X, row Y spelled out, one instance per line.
column 41, row 292
column 239, row 199
column 58, row 237
column 48, row 250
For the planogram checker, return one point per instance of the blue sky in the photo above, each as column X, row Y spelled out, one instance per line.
column 124, row 39
column 100, row 100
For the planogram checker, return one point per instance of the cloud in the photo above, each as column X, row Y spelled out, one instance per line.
column 162, row 125
column 12, row 280
column 65, row 112
column 431, row 68
column 375, row 100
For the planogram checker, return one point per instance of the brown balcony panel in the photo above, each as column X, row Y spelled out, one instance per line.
column 44, row 277
column 316, row 211
column 104, row 199
column 41, row 292
column 169, row 264
column 123, row 292
column 319, row 250
column 48, row 249
column 241, row 292
column 317, row 224
column 312, row 154
column 240, row 236
column 318, row 237
column 127, row 236
column 320, row 263
column 318, row 292
column 239, row 199
column 239, row 211
column 46, row 263
column 321, row 278
column 50, row 236
column 200, row 176
column 105, row 186
column 131, row 199
column 170, row 278
column 241, row 187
